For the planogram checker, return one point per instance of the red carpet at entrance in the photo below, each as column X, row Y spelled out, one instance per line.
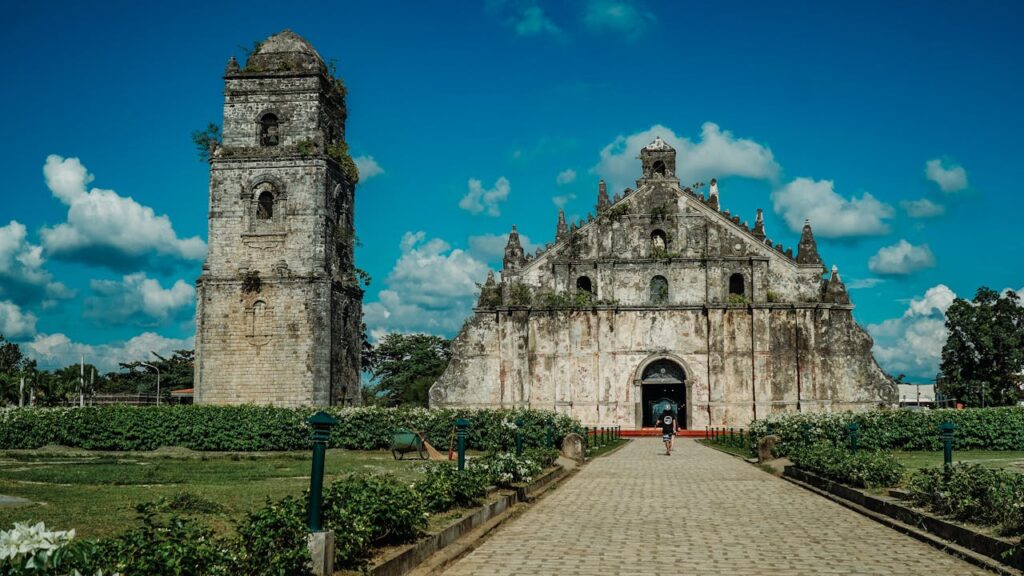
column 657, row 432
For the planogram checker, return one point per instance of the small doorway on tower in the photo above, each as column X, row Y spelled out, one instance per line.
column 663, row 384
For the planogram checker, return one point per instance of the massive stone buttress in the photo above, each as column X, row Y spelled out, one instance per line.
column 279, row 310
column 661, row 293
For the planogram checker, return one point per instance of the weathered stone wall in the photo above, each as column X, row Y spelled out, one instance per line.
column 740, row 363
column 279, row 311
column 573, row 326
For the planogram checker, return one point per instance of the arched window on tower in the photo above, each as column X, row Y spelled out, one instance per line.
column 659, row 290
column 658, row 168
column 265, row 205
column 583, row 284
column 269, row 135
column 736, row 285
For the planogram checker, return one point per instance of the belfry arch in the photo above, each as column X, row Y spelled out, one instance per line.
column 660, row 379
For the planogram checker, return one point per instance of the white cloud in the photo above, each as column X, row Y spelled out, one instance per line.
column 137, row 299
column 923, row 208
column 368, row 167
column 105, row 228
column 22, row 276
column 562, row 199
column 862, row 283
column 832, row 215
column 567, row 176
column 901, row 258
column 479, row 199
column 15, row 323
column 952, row 178
column 533, row 22
column 432, row 288
column 717, row 154
column 491, row 247
column 912, row 344
column 57, row 350
column 618, row 16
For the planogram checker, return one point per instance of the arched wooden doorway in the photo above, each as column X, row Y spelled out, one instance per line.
column 663, row 383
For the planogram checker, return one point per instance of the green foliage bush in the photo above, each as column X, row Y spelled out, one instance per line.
column 443, row 487
column 972, row 493
column 272, row 540
column 262, row 428
column 864, row 469
column 174, row 546
column 394, row 511
column 976, row 428
column 546, row 457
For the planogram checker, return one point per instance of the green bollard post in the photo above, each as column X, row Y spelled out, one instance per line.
column 322, row 422
column 947, row 429
column 460, row 434
column 731, row 442
column 519, row 436
column 853, row 428
column 805, row 430
column 551, row 434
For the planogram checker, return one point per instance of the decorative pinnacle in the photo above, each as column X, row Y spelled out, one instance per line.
column 563, row 228
column 807, row 250
column 758, row 230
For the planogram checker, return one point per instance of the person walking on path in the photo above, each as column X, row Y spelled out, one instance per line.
column 668, row 430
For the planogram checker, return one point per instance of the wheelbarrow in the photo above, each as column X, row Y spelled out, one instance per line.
column 403, row 442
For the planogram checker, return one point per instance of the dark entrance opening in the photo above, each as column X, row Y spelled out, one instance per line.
column 663, row 384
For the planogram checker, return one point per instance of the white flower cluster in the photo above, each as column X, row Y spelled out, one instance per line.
column 511, row 425
column 31, row 546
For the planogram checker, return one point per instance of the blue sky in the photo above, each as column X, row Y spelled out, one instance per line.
column 894, row 126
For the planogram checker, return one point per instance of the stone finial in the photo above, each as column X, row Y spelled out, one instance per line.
column 489, row 293
column 789, row 253
column 807, row 250
column 233, row 67
column 713, row 194
column 758, row 231
column 563, row 228
column 617, row 197
column 590, row 217
column 602, row 197
column 835, row 290
column 514, row 257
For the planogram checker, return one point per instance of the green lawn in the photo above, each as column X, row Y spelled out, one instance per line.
column 726, row 448
column 1004, row 459
column 96, row 492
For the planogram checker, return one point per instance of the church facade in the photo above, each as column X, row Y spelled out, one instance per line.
column 279, row 309
column 664, row 299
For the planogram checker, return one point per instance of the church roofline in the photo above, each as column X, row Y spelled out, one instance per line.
column 725, row 216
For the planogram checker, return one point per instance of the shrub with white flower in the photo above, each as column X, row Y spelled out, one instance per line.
column 505, row 468
column 31, row 549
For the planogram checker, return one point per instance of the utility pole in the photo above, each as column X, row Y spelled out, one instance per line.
column 157, row 380
column 81, row 383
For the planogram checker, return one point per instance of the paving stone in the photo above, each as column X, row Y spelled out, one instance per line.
column 698, row 511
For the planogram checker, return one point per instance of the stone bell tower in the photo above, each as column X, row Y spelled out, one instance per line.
column 279, row 310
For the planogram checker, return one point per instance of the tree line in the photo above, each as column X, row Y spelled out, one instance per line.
column 59, row 386
column 400, row 370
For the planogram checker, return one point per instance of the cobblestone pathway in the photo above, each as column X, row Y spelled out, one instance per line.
column 696, row 512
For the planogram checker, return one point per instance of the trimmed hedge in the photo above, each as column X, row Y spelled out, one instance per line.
column 976, row 428
column 262, row 428
column 864, row 469
column 972, row 493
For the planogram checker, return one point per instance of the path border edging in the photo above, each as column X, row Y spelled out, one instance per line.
column 410, row 557
column 979, row 549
